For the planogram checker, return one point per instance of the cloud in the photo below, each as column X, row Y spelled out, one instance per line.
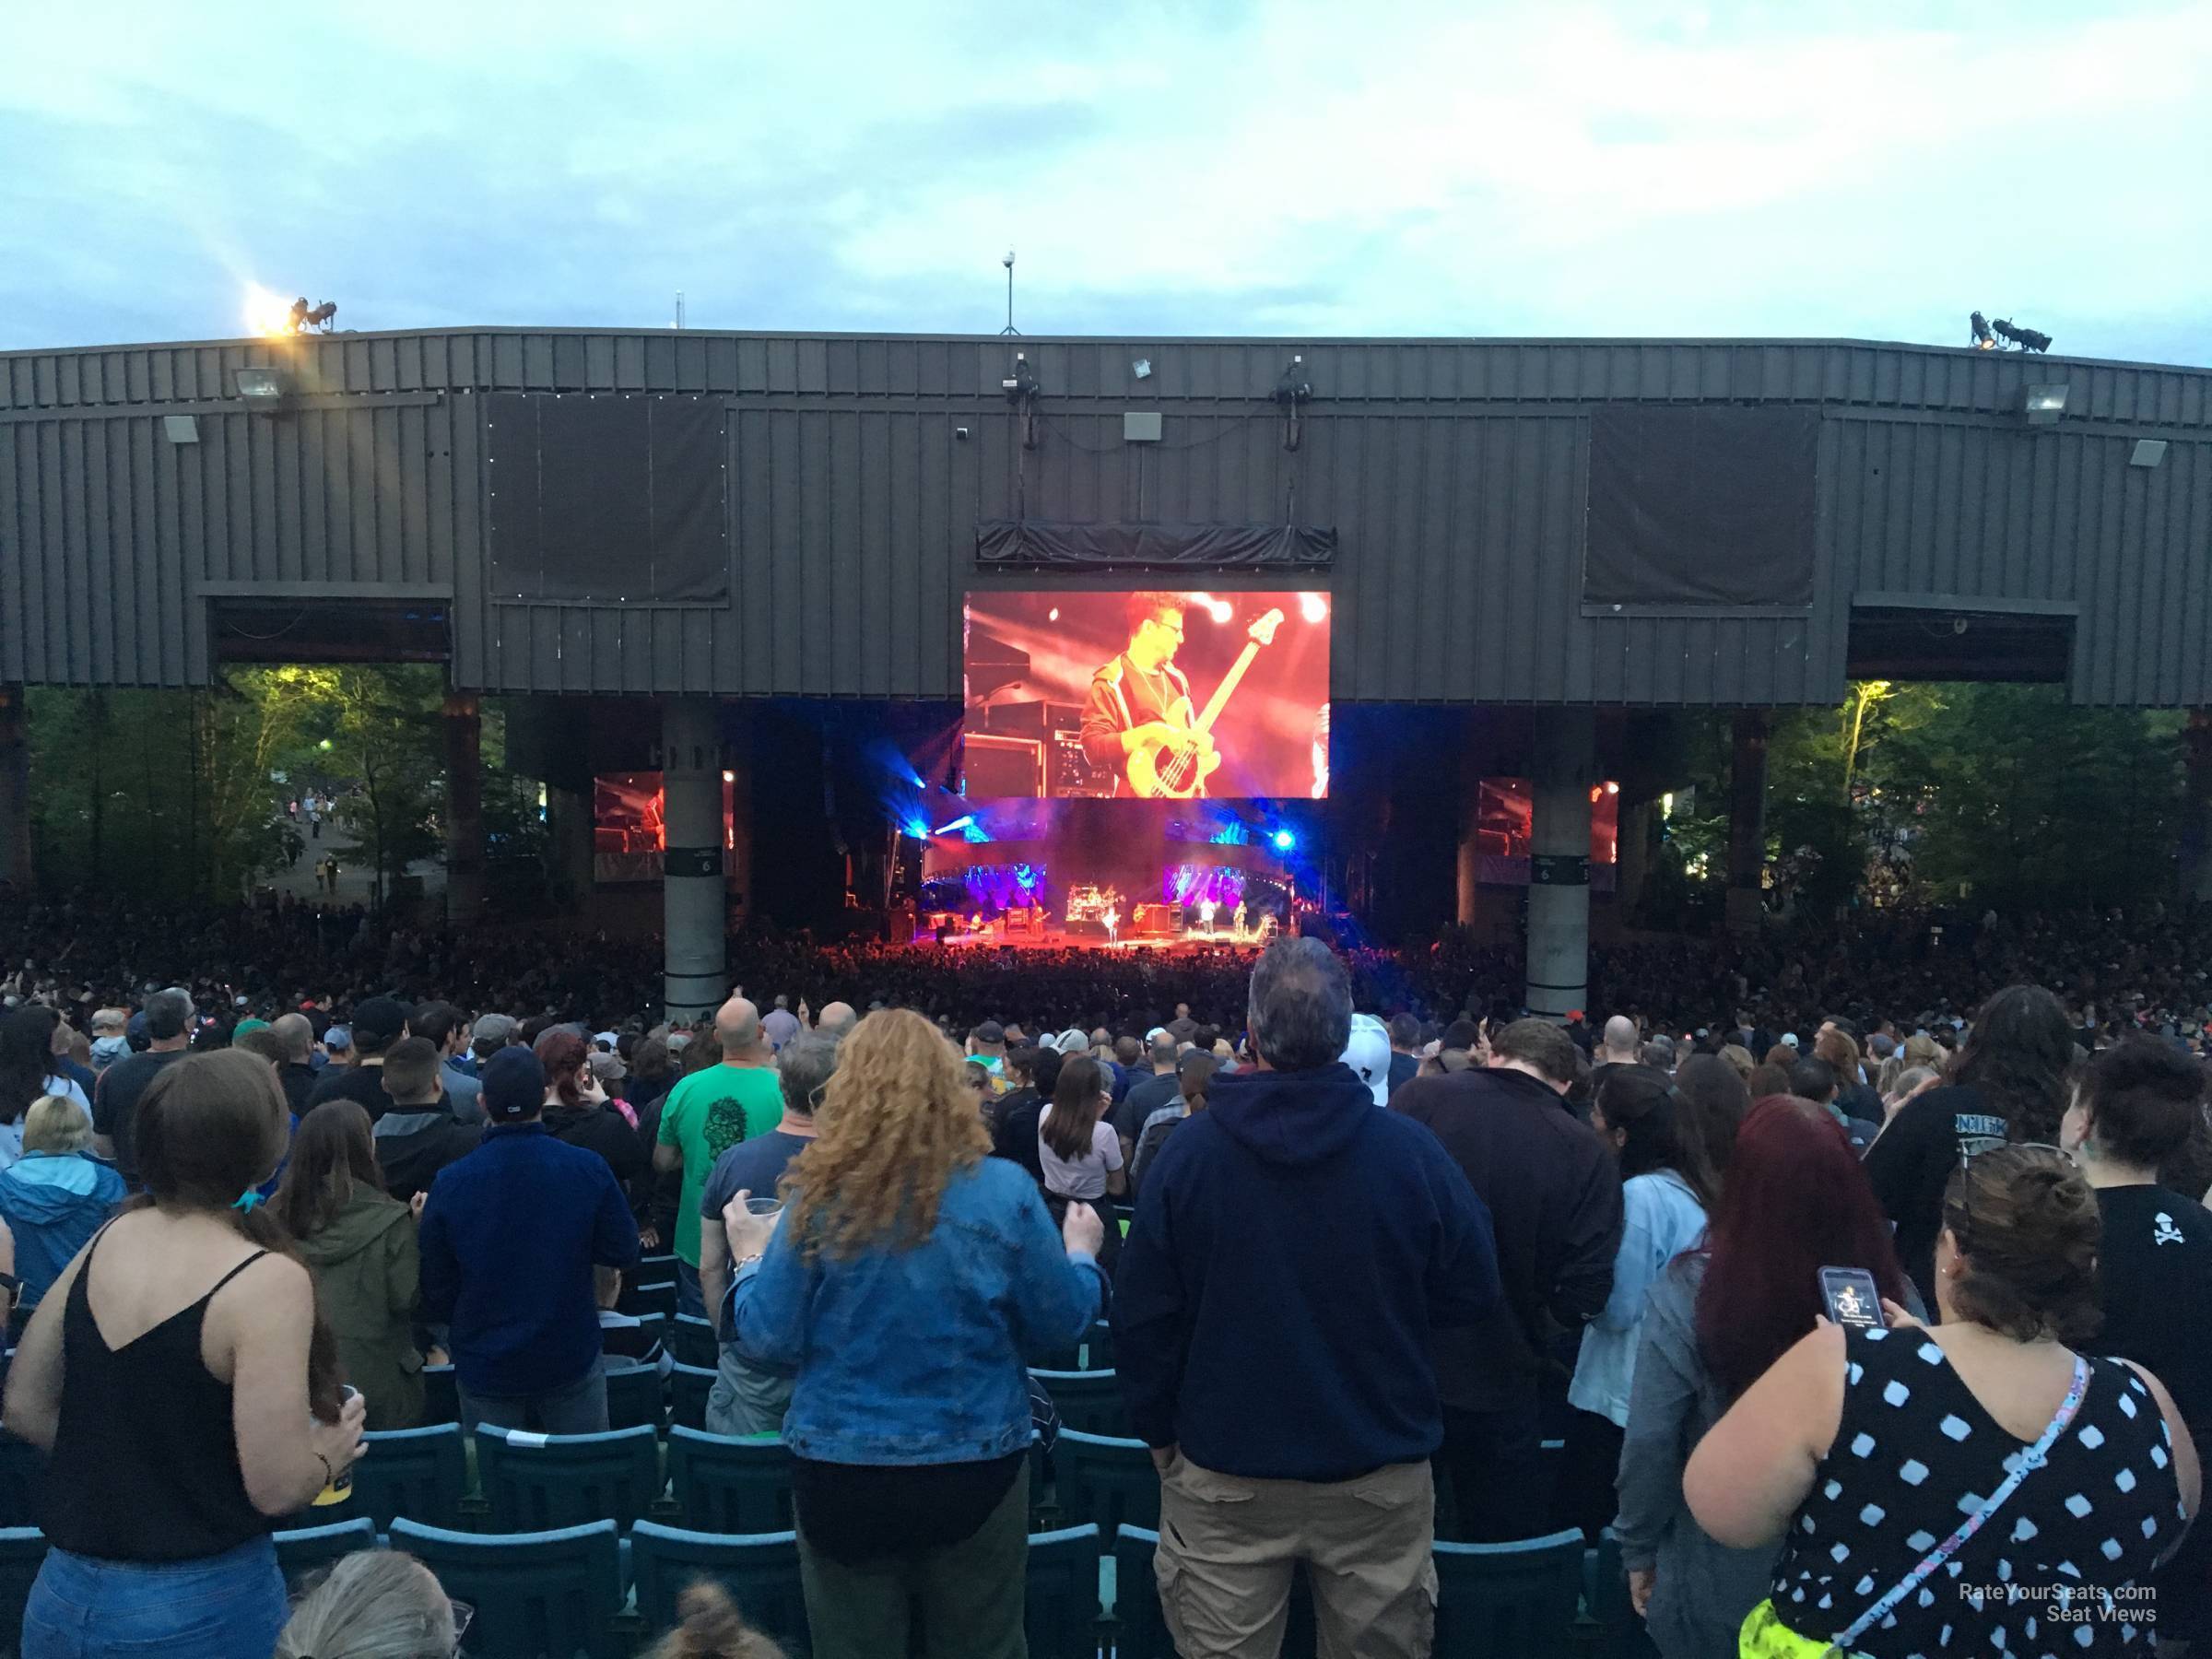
column 1292, row 167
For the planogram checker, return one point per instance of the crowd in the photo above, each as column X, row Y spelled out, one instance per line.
column 1862, row 1315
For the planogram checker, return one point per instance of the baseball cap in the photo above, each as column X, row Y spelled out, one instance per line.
column 492, row 1029
column 1789, row 1039
column 337, row 1037
column 608, row 1068
column 990, row 1031
column 378, row 1020
column 514, row 1086
column 605, row 1040
column 243, row 1026
column 1368, row 1052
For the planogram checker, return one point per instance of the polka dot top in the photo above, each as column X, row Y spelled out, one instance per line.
column 2062, row 1569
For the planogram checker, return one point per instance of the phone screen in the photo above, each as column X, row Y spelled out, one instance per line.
column 1853, row 1299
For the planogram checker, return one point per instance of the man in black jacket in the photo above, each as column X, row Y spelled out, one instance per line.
column 1553, row 1197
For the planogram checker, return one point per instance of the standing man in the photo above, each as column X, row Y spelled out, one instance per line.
column 1132, row 697
column 510, row 1235
column 781, row 1026
column 447, row 1028
column 1283, row 1438
column 1147, row 1094
column 836, row 1021
column 705, row 1116
column 1404, row 1051
column 378, row 1023
column 298, row 1072
column 168, row 1015
column 1553, row 1193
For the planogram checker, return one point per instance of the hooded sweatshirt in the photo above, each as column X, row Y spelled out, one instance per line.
column 366, row 1272
column 603, row 1130
column 54, row 1202
column 1294, row 1247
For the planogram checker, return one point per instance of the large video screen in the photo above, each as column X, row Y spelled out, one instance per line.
column 1143, row 695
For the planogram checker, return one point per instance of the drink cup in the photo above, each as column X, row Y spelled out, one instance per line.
column 341, row 1486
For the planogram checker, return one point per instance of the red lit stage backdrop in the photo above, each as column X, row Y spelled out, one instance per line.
column 1054, row 680
column 628, row 833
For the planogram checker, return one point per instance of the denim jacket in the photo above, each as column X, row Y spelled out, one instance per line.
column 919, row 1356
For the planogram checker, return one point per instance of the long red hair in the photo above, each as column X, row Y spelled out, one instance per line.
column 563, row 1054
column 1797, row 1200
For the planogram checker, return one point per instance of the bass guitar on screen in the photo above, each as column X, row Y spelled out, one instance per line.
column 1177, row 769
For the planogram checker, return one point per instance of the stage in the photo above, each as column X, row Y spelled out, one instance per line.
column 1051, row 936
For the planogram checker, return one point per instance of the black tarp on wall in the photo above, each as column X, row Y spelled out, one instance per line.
column 1701, row 506
column 607, row 498
column 1026, row 544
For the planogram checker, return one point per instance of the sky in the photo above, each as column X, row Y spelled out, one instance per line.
column 1208, row 168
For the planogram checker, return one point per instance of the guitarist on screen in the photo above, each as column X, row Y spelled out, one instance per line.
column 1132, row 697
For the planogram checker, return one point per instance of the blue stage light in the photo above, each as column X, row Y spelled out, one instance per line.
column 958, row 823
column 917, row 829
column 1285, row 841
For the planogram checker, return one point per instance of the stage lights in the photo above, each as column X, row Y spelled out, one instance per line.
column 958, row 823
column 1314, row 608
column 917, row 829
column 1284, row 840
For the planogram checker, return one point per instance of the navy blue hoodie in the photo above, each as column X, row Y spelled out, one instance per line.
column 1293, row 1247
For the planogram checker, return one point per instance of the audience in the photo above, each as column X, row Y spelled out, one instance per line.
column 378, row 1023
column 1858, row 1450
column 1077, row 1148
column 1795, row 1201
column 578, row 1110
column 706, row 1115
column 168, row 1015
column 30, row 1069
column 1284, row 1438
column 1194, row 1071
column 359, row 1243
column 510, row 1235
column 198, row 1315
column 374, row 1603
column 54, row 1198
column 1714, row 1102
column 711, row 1627
column 1553, row 1194
column 416, row 1136
column 908, row 1280
column 295, row 1037
column 447, row 1030
column 747, row 1399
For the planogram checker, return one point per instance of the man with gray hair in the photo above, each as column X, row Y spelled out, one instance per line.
column 746, row 1398
column 836, row 1021
column 296, row 1072
column 168, row 1015
column 705, row 1115
column 1294, row 1252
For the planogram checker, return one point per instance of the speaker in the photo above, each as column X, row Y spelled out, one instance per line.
column 995, row 767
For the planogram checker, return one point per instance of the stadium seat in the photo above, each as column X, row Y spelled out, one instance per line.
column 535, row 1593
column 22, row 1471
column 730, row 1485
column 1060, row 1593
column 1111, row 1483
column 655, row 1270
column 1143, row 1631
column 538, row 1482
column 440, row 1396
column 309, row 1549
column 420, row 1473
column 762, row 1571
column 652, row 1298
column 1509, row 1598
column 688, row 1387
column 633, row 1396
column 1098, row 1349
column 22, row 1552
column 691, row 1340
column 1090, row 1401
column 654, row 1325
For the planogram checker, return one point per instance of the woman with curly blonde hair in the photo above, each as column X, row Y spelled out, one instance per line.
column 908, row 1280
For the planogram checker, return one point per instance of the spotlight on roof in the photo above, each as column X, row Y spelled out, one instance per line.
column 262, row 388
column 2044, row 405
column 317, row 317
column 1142, row 367
column 2027, row 339
column 1983, row 340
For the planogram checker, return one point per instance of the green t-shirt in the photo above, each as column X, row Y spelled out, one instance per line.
column 706, row 1115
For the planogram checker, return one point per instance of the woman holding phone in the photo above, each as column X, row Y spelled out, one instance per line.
column 190, row 1306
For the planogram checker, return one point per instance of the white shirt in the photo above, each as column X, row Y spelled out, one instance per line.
column 1083, row 1177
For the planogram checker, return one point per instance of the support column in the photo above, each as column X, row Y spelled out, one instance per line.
column 1746, row 821
column 1559, row 894
column 15, row 789
column 2197, row 810
column 1635, row 853
column 463, row 810
column 569, row 841
column 691, row 884
column 1470, row 827
column 737, row 760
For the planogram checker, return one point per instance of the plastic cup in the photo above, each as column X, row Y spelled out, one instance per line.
column 341, row 1487
column 764, row 1206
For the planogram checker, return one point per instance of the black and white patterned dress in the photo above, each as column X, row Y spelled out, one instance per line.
column 2062, row 1569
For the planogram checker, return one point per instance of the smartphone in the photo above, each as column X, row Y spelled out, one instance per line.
column 1853, row 1299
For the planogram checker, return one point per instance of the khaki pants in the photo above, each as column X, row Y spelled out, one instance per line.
column 1227, row 1547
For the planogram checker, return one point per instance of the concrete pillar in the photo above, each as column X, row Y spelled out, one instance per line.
column 2196, row 811
column 1470, row 826
column 737, row 760
column 1564, row 768
column 691, row 884
column 1746, row 819
column 463, row 810
column 569, row 840
column 1635, row 852
column 15, row 789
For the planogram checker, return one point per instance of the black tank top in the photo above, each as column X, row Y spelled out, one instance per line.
column 145, row 1464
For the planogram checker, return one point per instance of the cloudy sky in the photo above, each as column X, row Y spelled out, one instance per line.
column 1204, row 167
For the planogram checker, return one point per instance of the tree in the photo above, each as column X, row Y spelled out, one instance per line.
column 386, row 738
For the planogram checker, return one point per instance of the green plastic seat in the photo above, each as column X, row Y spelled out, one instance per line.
column 652, row 1298
column 440, row 1396
column 633, row 1396
column 538, row 1482
column 1060, row 1589
column 656, row 1269
column 688, row 1386
column 1111, row 1483
column 536, row 1594
column 22, row 1475
column 1098, row 1349
column 1142, row 1630
column 1516, row 1598
column 1089, row 1400
column 691, row 1339
column 760, row 1571
column 22, row 1553
column 311, row 1549
column 730, row 1485
column 420, row 1473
